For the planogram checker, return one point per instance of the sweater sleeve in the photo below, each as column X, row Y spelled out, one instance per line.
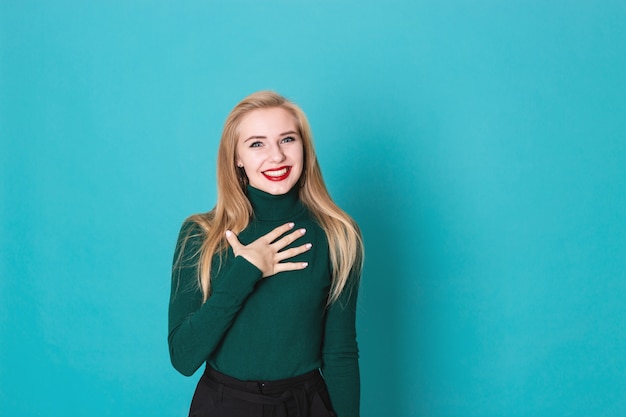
column 196, row 328
column 340, row 353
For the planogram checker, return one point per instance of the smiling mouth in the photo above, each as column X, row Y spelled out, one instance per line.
column 278, row 174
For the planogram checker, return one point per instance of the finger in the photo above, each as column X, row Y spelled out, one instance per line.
column 277, row 232
column 232, row 239
column 290, row 253
column 290, row 266
column 289, row 239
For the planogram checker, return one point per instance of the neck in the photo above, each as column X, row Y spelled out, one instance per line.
column 269, row 207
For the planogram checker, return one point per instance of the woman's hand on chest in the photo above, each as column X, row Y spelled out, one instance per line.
column 268, row 252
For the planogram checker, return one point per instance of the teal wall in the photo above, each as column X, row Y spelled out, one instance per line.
column 481, row 145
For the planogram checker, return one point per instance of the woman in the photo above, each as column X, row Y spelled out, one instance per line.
column 264, row 286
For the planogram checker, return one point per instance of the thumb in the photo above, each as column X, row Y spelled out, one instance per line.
column 232, row 240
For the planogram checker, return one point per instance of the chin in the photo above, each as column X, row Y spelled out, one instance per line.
column 280, row 190
column 273, row 188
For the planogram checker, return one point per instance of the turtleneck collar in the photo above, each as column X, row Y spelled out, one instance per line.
column 269, row 207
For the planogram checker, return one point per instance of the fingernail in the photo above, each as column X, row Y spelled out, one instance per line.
column 309, row 246
column 228, row 233
column 305, row 264
column 303, row 231
column 292, row 224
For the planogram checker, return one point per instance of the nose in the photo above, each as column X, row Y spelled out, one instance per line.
column 276, row 154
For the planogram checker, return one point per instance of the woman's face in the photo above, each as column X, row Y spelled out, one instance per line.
column 270, row 150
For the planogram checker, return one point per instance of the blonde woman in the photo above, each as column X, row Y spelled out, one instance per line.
column 264, row 286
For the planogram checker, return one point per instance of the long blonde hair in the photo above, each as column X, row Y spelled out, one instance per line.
column 233, row 211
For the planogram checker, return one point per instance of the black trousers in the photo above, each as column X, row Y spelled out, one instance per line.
column 219, row 395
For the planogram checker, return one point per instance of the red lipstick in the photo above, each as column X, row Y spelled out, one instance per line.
column 277, row 174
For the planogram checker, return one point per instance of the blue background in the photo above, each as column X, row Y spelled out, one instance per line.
column 481, row 146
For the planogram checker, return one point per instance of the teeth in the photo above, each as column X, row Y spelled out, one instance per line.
column 278, row 173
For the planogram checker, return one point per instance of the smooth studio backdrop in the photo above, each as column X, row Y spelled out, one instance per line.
column 481, row 146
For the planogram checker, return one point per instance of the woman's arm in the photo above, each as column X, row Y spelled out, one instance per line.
column 195, row 329
column 340, row 353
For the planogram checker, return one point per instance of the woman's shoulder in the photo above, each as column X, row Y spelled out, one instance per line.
column 195, row 227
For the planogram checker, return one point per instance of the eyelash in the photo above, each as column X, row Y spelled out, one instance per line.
column 287, row 139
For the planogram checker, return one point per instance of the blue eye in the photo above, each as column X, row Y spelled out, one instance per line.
column 288, row 139
column 256, row 144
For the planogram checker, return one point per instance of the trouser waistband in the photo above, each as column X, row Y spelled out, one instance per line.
column 264, row 392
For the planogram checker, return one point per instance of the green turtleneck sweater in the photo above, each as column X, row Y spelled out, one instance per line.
column 255, row 328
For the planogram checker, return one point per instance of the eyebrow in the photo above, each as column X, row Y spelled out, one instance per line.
column 290, row 132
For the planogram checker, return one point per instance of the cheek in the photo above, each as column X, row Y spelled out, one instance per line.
column 299, row 155
column 244, row 158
